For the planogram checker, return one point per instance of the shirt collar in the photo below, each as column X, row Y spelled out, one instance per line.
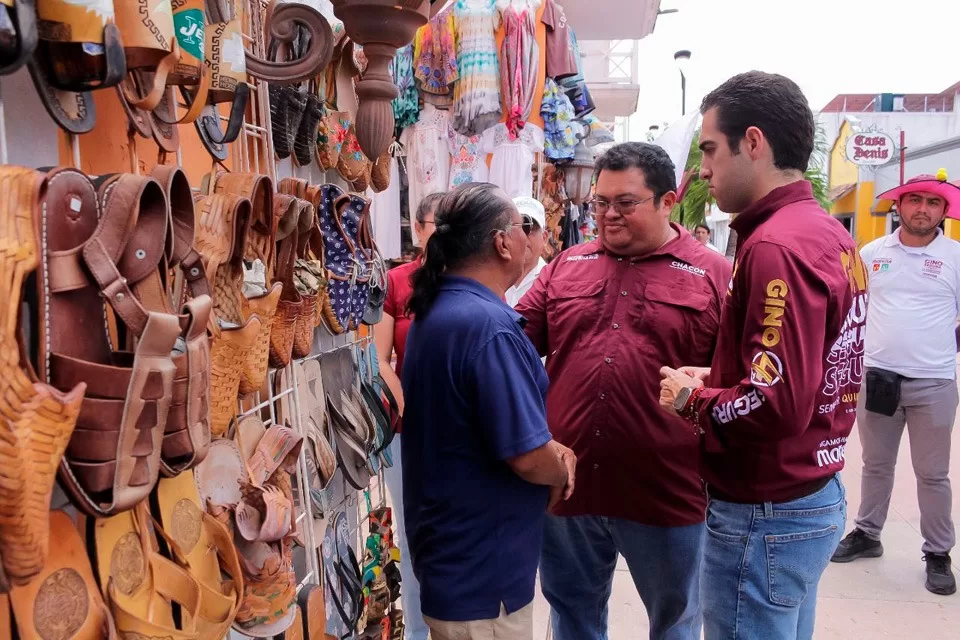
column 469, row 285
column 751, row 217
column 532, row 275
column 893, row 240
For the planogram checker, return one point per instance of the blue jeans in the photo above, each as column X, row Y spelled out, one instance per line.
column 576, row 574
column 763, row 562
column 416, row 628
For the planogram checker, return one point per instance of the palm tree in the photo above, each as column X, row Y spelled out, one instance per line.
column 691, row 211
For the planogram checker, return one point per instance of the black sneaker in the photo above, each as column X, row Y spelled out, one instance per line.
column 855, row 546
column 940, row 578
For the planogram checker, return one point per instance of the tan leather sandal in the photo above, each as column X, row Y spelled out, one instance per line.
column 63, row 600
column 259, row 244
column 221, row 237
column 36, row 420
column 139, row 585
column 202, row 546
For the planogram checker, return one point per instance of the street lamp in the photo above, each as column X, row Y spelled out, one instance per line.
column 682, row 59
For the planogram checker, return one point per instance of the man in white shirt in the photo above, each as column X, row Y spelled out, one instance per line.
column 532, row 211
column 702, row 233
column 910, row 372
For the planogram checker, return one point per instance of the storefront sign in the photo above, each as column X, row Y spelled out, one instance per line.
column 872, row 148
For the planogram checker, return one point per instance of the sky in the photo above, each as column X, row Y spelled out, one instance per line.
column 826, row 46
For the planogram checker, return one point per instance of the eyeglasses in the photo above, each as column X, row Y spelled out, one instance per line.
column 623, row 207
column 527, row 225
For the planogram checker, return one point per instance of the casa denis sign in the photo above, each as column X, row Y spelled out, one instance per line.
column 871, row 148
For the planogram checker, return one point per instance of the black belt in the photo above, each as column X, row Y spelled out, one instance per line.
column 804, row 490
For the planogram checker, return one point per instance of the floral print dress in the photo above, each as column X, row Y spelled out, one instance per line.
column 406, row 106
column 476, row 97
column 559, row 129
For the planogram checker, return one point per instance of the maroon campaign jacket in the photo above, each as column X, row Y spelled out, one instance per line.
column 607, row 324
column 782, row 394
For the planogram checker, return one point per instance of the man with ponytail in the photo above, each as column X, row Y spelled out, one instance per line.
column 479, row 464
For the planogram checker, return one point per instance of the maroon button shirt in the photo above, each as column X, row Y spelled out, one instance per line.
column 607, row 324
column 781, row 397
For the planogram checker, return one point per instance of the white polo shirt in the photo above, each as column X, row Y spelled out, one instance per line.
column 913, row 309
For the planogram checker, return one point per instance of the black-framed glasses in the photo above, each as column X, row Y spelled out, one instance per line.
column 600, row 207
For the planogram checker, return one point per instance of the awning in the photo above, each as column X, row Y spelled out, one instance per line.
column 612, row 19
column 841, row 191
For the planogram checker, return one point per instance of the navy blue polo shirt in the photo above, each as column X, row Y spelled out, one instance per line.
column 474, row 390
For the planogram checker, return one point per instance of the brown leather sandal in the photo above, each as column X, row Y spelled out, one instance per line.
column 113, row 460
column 62, row 70
column 228, row 85
column 187, row 433
column 36, row 420
column 19, row 38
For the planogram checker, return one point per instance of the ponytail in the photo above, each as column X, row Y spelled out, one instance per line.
column 465, row 219
column 426, row 279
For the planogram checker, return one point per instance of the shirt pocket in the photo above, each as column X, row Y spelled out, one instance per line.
column 679, row 315
column 574, row 309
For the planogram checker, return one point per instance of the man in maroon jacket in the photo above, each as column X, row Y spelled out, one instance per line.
column 778, row 403
column 607, row 314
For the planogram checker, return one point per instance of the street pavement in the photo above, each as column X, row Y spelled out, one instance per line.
column 870, row 599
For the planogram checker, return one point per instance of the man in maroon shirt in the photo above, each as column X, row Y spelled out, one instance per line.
column 607, row 314
column 778, row 403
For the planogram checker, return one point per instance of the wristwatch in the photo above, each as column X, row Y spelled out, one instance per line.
column 683, row 398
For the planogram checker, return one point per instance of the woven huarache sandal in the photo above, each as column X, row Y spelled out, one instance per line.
column 113, row 459
column 220, row 239
column 259, row 244
column 63, row 600
column 284, row 328
column 36, row 420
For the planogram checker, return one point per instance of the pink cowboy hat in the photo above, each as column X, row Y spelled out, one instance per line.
column 931, row 184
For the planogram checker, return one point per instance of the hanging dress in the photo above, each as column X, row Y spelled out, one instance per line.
column 476, row 97
column 512, row 166
column 406, row 106
column 559, row 129
column 428, row 156
column 519, row 60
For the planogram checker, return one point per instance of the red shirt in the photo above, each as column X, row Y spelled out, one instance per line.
column 399, row 290
column 607, row 324
column 782, row 393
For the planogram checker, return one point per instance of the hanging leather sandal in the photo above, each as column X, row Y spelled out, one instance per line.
column 79, row 50
column 18, row 34
column 187, row 434
column 113, row 459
